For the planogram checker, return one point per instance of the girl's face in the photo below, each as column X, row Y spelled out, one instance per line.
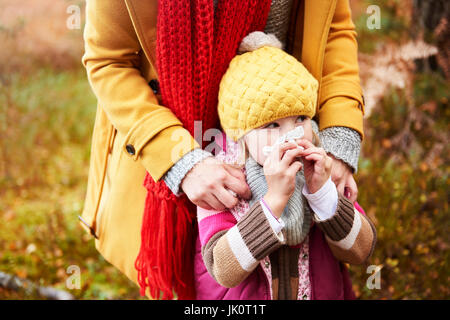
column 268, row 134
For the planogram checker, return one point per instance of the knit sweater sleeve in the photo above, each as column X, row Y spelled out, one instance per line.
column 180, row 169
column 343, row 143
column 351, row 235
column 231, row 250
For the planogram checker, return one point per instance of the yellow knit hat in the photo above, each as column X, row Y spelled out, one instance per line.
column 262, row 85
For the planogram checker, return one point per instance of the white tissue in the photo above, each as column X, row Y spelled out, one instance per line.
column 290, row 136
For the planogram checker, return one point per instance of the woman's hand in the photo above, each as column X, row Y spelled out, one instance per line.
column 342, row 176
column 209, row 182
column 317, row 165
column 280, row 169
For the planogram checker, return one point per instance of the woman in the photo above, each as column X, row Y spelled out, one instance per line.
column 144, row 70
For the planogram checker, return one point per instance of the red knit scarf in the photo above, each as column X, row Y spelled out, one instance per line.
column 195, row 44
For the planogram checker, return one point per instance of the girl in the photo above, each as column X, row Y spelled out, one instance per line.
column 290, row 239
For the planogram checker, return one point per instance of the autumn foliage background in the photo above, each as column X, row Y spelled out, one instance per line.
column 47, row 113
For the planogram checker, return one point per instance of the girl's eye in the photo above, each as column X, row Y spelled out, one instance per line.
column 272, row 125
column 301, row 118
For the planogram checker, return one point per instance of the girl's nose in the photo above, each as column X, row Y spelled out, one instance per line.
column 287, row 126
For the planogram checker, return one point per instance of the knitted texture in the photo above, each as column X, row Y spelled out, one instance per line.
column 261, row 86
column 258, row 39
column 175, row 175
column 296, row 216
column 278, row 19
column 343, row 143
column 188, row 33
column 339, row 225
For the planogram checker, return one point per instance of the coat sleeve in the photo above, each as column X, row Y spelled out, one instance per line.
column 341, row 99
column 112, row 63
column 350, row 234
column 232, row 250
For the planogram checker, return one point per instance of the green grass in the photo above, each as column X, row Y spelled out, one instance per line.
column 46, row 122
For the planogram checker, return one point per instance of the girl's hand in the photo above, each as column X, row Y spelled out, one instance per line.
column 280, row 169
column 317, row 165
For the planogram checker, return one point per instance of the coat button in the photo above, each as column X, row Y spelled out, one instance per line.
column 130, row 149
column 267, row 264
column 154, row 84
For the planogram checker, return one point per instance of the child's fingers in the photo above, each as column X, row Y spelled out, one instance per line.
column 278, row 153
column 305, row 143
column 314, row 150
column 317, row 158
column 321, row 162
column 328, row 163
column 314, row 156
column 290, row 155
column 294, row 168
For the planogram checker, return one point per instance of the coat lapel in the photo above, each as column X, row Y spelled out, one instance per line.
column 144, row 18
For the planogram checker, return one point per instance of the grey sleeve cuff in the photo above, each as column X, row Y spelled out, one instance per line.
column 175, row 175
column 343, row 143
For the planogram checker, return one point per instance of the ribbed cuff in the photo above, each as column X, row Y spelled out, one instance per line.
column 340, row 225
column 343, row 143
column 175, row 175
column 257, row 233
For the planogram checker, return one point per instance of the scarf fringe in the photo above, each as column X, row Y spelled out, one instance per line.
column 189, row 81
column 164, row 260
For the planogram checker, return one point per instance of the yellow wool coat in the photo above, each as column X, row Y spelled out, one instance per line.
column 120, row 42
